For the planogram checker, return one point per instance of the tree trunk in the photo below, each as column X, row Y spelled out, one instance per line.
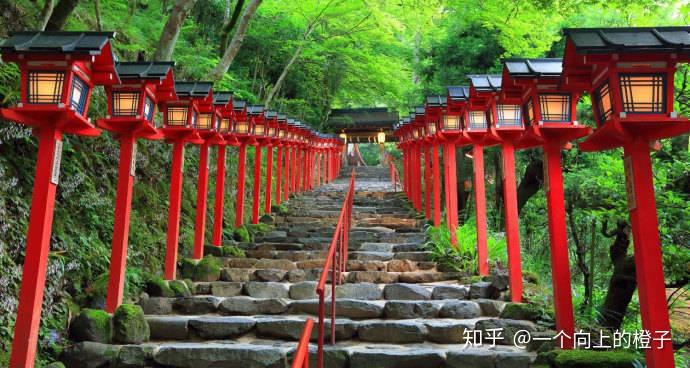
column 580, row 254
column 531, row 182
column 46, row 13
column 61, row 12
column 232, row 50
column 286, row 69
column 97, row 5
column 622, row 284
column 229, row 26
column 171, row 30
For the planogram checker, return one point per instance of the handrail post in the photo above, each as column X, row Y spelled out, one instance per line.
column 319, row 352
column 334, row 279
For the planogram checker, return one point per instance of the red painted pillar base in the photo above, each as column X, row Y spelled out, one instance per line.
column 37, row 248
column 217, row 239
column 560, row 266
column 286, row 184
column 512, row 222
column 427, row 182
column 201, row 194
column 241, row 168
column 123, row 204
column 437, row 185
column 480, row 210
column 257, row 185
column 648, row 261
column 279, row 175
column 269, row 179
column 174, row 210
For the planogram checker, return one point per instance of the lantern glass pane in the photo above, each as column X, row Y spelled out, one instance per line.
column 509, row 116
column 79, row 93
column 451, row 122
column 430, row 128
column 555, row 108
column 242, row 127
column 530, row 114
column 477, row 120
column 225, row 125
column 177, row 116
column 643, row 93
column 195, row 119
column 149, row 109
column 259, row 129
column 271, row 131
column 602, row 100
column 205, row 121
column 125, row 103
column 281, row 133
column 415, row 133
column 45, row 87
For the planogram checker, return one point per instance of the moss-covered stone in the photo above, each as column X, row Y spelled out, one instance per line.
column 213, row 250
column 190, row 285
column 241, row 234
column 280, row 209
column 523, row 311
column 596, row 359
column 531, row 277
column 156, row 286
column 233, row 251
column 96, row 292
column 260, row 228
column 129, row 325
column 180, row 288
column 208, row 269
column 186, row 267
column 91, row 325
column 55, row 365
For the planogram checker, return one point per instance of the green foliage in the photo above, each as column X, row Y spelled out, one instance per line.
column 596, row 359
column 156, row 286
column 522, row 311
column 233, row 251
column 179, row 288
column 208, row 269
column 241, row 234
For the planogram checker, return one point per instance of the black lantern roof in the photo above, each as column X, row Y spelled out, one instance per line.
column 62, row 42
column 486, row 82
column 551, row 67
column 239, row 105
column 611, row 40
column 406, row 120
column 222, row 98
column 291, row 121
column 282, row 117
column 271, row 114
column 458, row 93
column 193, row 89
column 255, row 109
column 144, row 70
column 436, row 101
column 419, row 110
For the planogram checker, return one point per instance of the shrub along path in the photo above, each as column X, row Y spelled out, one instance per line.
column 395, row 310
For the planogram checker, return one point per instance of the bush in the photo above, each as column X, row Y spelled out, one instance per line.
column 208, row 269
column 233, row 251
column 241, row 234
column 597, row 359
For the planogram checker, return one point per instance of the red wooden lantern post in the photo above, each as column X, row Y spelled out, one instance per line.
column 271, row 139
column 58, row 73
column 242, row 130
column 549, row 112
column 405, row 135
column 419, row 126
column 180, row 116
column 630, row 76
column 280, row 143
column 225, row 104
column 434, row 111
column 256, row 114
column 505, row 124
column 208, row 130
column 131, row 108
column 288, row 144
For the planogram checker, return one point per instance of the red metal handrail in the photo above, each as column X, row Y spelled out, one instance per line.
column 336, row 260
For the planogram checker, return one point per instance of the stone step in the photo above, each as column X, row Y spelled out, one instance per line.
column 289, row 327
column 315, row 260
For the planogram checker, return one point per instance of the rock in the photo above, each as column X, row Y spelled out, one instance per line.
column 54, row 365
column 236, row 274
column 203, row 288
column 129, row 325
column 460, row 309
column 371, row 256
column 281, row 264
column 392, row 331
column 406, row 292
column 348, row 308
column 333, row 357
column 240, row 262
column 233, row 251
column 168, row 327
column 480, row 290
column 275, row 236
column 362, row 291
column 212, row 328
column 244, row 305
column 396, row 358
column 410, row 309
column 524, row 311
column 186, row 267
column 426, row 266
column 414, row 256
column 270, row 274
column 208, row 269
column 133, row 356
column 470, row 358
column 267, row 219
column 449, row 292
column 241, row 235
column 366, row 266
column 490, row 307
column 156, row 286
column 445, row 332
column 514, row 359
column 91, row 325
column 213, row 250
column 377, row 247
column 402, row 265
column 508, row 327
column 378, row 277
column 427, row 277
column 500, row 280
column 226, row 289
column 307, row 290
column 284, row 328
column 89, row 354
column 543, row 341
column 311, row 263
column 180, row 288
column 266, row 289
column 207, row 355
column 196, row 305
column 296, row 276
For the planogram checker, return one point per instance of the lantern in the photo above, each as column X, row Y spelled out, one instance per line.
column 381, row 137
column 282, row 126
column 224, row 103
column 271, row 124
column 255, row 113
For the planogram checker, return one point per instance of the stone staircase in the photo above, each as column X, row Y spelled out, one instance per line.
column 396, row 309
